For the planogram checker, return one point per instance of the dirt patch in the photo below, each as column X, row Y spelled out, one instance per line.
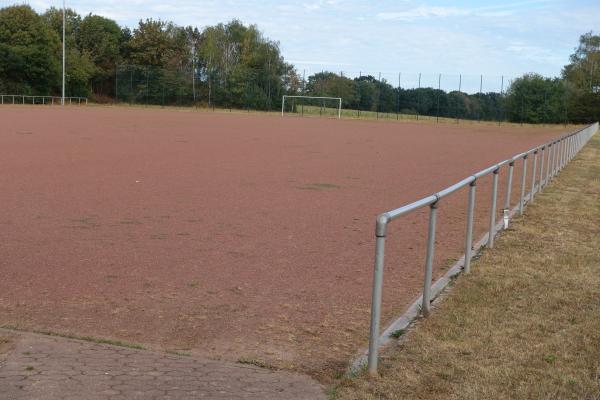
column 187, row 231
column 7, row 343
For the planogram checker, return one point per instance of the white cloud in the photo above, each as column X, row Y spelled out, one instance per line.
column 422, row 12
column 492, row 37
column 425, row 11
column 322, row 63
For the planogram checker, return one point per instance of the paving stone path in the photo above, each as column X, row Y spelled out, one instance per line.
column 49, row 368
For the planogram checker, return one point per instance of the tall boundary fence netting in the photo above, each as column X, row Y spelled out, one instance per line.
column 418, row 96
column 251, row 89
column 537, row 167
column 50, row 100
column 438, row 97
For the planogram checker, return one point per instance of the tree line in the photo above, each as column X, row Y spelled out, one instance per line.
column 234, row 65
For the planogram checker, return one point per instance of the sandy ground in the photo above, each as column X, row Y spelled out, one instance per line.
column 227, row 235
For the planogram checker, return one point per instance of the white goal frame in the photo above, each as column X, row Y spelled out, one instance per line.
column 339, row 99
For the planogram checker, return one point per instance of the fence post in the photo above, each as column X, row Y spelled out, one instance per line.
column 511, row 167
column 541, row 186
column 426, row 306
column 523, row 178
column 570, row 147
column 549, row 166
column 561, row 149
column 469, row 236
column 553, row 166
column 533, row 171
column 493, row 209
column 558, row 156
column 380, row 235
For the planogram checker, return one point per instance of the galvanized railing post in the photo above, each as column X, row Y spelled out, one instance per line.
column 571, row 148
column 533, row 171
column 561, row 159
column 493, row 209
column 549, row 167
column 426, row 306
column 523, row 178
column 555, row 159
column 511, row 167
column 541, row 186
column 562, row 154
column 380, row 235
column 469, row 235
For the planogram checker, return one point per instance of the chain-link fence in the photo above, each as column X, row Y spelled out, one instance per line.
column 364, row 95
column 250, row 90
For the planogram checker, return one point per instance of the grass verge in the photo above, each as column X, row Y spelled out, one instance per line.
column 526, row 323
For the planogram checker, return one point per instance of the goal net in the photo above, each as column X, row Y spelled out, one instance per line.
column 312, row 105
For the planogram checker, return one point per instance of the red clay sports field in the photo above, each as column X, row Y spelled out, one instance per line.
column 227, row 235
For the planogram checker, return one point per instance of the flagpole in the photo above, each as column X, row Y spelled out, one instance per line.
column 62, row 102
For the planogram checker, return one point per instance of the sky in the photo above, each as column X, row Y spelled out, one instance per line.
column 399, row 38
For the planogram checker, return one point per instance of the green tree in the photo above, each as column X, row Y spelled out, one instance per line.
column 533, row 98
column 28, row 49
column 159, row 43
column 102, row 40
column 332, row 85
column 79, row 67
column 241, row 68
column 582, row 77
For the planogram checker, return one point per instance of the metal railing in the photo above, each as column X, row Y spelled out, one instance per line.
column 51, row 100
column 553, row 156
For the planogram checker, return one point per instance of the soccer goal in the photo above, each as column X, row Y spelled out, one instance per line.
column 313, row 105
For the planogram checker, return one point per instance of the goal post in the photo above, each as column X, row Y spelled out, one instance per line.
column 338, row 100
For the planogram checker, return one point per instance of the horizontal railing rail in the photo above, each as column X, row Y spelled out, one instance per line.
column 30, row 99
column 552, row 157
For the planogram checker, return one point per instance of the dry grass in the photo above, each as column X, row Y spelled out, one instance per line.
column 526, row 323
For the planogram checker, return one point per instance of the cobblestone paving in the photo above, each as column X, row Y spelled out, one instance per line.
column 49, row 368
